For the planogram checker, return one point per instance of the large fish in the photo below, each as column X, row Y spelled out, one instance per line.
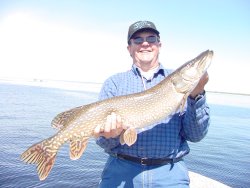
column 137, row 110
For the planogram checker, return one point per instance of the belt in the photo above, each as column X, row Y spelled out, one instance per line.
column 147, row 161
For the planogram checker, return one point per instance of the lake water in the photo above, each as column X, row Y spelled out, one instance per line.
column 26, row 113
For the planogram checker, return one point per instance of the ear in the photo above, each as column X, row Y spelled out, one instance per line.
column 129, row 50
column 159, row 45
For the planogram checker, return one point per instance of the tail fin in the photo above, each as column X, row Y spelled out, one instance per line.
column 43, row 156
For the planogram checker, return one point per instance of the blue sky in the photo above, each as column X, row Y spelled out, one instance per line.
column 86, row 40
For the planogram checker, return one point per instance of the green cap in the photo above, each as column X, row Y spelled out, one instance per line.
column 140, row 26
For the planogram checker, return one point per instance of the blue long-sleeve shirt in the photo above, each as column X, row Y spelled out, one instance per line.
column 169, row 137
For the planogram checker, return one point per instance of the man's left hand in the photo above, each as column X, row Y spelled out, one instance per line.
column 200, row 86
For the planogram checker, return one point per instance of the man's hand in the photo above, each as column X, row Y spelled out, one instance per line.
column 112, row 128
column 200, row 86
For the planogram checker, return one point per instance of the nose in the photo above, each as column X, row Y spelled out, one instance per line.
column 145, row 43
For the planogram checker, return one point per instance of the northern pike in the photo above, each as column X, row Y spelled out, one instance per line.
column 137, row 110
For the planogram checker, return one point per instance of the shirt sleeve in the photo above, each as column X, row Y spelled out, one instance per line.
column 196, row 119
column 108, row 90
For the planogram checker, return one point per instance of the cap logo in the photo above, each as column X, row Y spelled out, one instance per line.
column 141, row 24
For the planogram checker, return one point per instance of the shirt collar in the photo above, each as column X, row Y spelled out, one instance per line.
column 160, row 70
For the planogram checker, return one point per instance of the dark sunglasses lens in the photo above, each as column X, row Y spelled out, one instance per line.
column 151, row 39
column 138, row 40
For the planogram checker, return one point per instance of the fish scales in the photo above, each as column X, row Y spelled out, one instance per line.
column 137, row 110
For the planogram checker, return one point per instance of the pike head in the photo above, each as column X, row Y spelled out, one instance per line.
column 186, row 77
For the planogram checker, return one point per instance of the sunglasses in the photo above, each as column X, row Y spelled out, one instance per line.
column 149, row 39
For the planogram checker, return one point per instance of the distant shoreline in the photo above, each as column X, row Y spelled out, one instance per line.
column 230, row 93
column 76, row 85
column 59, row 84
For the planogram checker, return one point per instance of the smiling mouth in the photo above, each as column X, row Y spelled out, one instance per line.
column 145, row 51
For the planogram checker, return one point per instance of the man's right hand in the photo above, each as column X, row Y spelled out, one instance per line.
column 112, row 128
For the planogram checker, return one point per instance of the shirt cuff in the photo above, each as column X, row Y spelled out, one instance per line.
column 198, row 101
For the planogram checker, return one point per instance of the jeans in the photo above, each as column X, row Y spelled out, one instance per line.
column 122, row 173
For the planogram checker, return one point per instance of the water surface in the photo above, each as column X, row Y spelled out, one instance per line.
column 26, row 113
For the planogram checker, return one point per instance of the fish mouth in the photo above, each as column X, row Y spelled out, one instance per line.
column 205, row 60
column 198, row 66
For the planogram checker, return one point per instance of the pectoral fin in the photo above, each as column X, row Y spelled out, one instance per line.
column 77, row 147
column 128, row 137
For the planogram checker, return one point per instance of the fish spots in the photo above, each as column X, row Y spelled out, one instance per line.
column 136, row 110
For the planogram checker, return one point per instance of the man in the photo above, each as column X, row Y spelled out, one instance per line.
column 156, row 158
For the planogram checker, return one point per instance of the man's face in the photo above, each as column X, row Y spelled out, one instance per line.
column 144, row 49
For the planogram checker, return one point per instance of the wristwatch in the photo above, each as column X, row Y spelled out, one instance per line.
column 199, row 96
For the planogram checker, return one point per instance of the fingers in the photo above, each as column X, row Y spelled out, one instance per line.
column 112, row 128
column 200, row 86
column 204, row 79
column 118, row 122
column 108, row 124
column 97, row 131
column 113, row 121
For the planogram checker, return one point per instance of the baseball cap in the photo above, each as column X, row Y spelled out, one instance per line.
column 139, row 26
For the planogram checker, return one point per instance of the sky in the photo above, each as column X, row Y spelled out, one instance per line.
column 85, row 40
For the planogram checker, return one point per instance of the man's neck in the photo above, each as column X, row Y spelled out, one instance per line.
column 147, row 67
column 149, row 73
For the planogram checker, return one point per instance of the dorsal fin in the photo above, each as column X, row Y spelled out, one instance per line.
column 61, row 119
